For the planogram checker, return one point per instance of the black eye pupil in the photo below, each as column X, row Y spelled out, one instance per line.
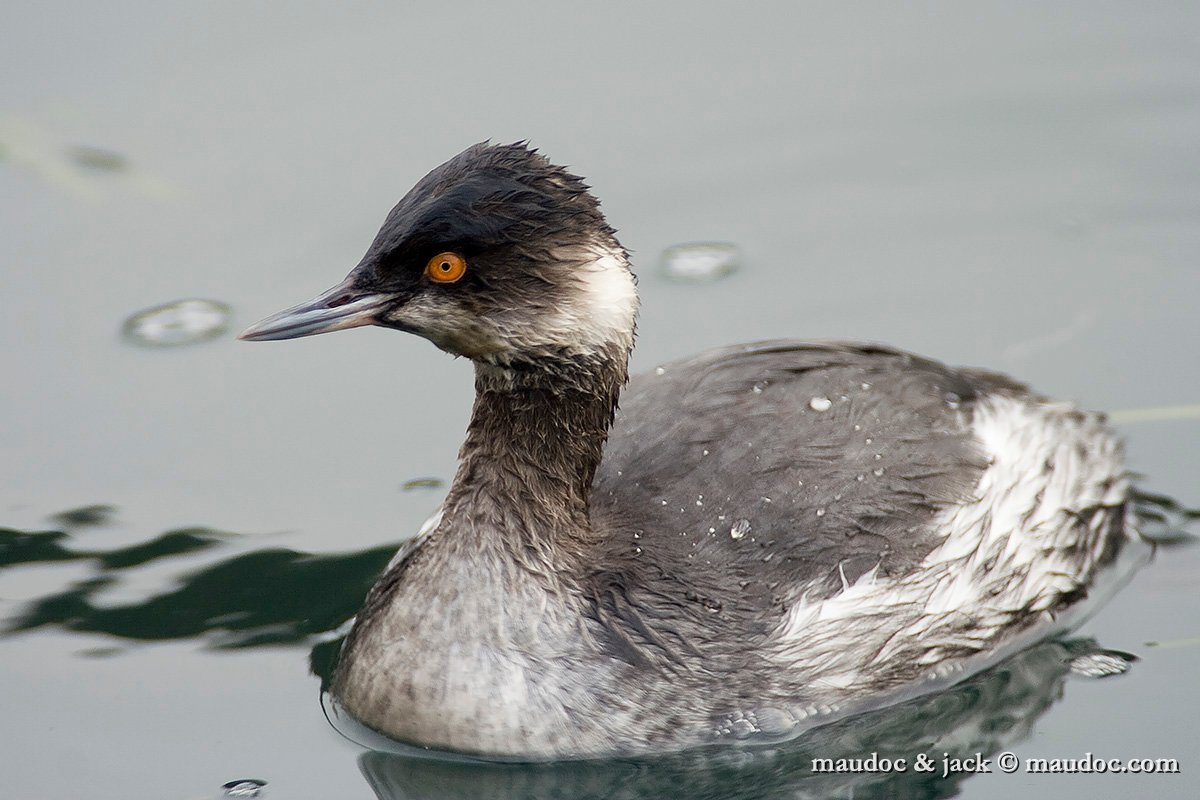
column 445, row 266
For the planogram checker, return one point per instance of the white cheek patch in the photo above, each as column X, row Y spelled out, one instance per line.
column 611, row 295
column 603, row 307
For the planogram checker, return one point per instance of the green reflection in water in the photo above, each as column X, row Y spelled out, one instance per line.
column 21, row 547
column 85, row 516
column 264, row 597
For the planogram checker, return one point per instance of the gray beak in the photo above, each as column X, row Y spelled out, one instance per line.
column 343, row 306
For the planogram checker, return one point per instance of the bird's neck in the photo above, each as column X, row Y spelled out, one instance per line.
column 532, row 448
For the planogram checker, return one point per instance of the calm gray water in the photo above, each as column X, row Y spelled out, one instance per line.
column 1016, row 187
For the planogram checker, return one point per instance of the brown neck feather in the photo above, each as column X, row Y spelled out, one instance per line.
column 534, row 442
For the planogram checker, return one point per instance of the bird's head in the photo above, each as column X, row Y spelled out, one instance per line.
column 497, row 255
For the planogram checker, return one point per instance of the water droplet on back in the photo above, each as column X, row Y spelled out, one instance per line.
column 740, row 528
column 820, row 403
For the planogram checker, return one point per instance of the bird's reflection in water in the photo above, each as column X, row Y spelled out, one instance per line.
column 985, row 714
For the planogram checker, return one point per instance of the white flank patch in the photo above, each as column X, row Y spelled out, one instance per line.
column 1013, row 550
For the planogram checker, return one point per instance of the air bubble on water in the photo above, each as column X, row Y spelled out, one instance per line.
column 659, row 370
column 246, row 787
column 820, row 403
column 700, row 262
column 820, row 512
column 179, row 323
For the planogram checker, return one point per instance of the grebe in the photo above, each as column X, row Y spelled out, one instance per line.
column 761, row 538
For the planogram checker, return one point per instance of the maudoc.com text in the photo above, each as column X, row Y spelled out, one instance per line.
column 947, row 764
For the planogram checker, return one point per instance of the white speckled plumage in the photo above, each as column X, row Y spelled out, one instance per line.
column 1016, row 547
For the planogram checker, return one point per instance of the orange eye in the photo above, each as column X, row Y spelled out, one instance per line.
column 446, row 267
